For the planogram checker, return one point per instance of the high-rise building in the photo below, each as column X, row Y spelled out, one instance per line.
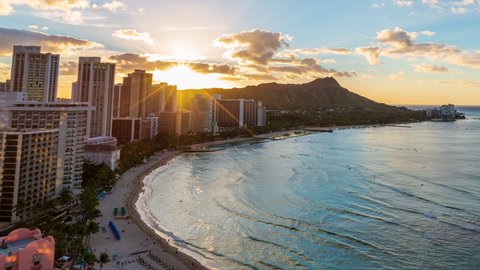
column 163, row 98
column 136, row 90
column 24, row 249
column 35, row 73
column 71, row 121
column 75, row 97
column 117, row 92
column 28, row 171
column 126, row 129
column 5, row 86
column 201, row 114
column 231, row 113
column 182, row 125
column 95, row 84
column 150, row 127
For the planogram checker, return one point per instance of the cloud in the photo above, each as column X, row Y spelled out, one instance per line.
column 5, row 8
column 292, row 53
column 397, row 76
column 398, row 43
column 49, row 43
column 371, row 53
column 457, row 7
column 403, row 3
column 255, row 46
column 427, row 68
column 36, row 27
column 4, row 72
column 66, row 10
column 377, row 5
column 132, row 34
column 430, row 2
column 129, row 61
column 68, row 68
column 212, row 68
column 114, row 6
column 457, row 82
column 264, row 55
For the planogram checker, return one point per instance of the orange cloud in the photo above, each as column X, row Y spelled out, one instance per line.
column 49, row 43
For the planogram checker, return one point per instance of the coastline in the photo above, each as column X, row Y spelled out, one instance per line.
column 188, row 261
column 131, row 186
column 138, row 239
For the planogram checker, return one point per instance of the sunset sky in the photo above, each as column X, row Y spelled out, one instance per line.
column 397, row 52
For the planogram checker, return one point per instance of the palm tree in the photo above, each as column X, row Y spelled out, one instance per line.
column 92, row 227
column 89, row 259
column 19, row 208
column 65, row 198
column 104, row 258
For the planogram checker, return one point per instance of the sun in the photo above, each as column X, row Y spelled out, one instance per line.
column 185, row 78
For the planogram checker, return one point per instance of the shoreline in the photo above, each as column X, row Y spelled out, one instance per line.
column 132, row 184
column 139, row 240
column 190, row 262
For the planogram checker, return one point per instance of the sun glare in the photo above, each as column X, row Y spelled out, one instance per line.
column 185, row 78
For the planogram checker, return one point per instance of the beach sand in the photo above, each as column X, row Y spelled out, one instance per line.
column 136, row 237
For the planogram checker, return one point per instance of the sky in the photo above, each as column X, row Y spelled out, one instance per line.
column 391, row 51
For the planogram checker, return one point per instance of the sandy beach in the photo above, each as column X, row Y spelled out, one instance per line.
column 139, row 247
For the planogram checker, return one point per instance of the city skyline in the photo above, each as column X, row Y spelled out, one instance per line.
column 397, row 52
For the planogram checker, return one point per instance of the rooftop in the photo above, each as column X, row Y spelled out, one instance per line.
column 14, row 246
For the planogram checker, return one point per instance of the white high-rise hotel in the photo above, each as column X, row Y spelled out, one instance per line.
column 34, row 73
column 41, row 141
column 94, row 85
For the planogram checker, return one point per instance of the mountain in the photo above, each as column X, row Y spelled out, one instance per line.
column 323, row 92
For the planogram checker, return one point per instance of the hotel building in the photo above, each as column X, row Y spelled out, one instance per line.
column 107, row 154
column 126, row 129
column 163, row 98
column 95, row 84
column 5, row 86
column 23, row 249
column 136, row 90
column 69, row 118
column 232, row 113
column 201, row 114
column 34, row 73
column 117, row 92
column 28, row 171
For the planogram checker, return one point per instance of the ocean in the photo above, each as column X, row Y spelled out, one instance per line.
column 372, row 198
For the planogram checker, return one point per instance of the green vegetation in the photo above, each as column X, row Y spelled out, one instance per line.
column 344, row 117
column 97, row 176
column 103, row 259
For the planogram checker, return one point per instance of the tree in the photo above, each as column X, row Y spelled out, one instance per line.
column 91, row 228
column 19, row 208
column 89, row 258
column 104, row 258
column 89, row 203
column 66, row 197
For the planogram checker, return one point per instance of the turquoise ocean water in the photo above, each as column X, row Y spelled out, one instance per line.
column 372, row 198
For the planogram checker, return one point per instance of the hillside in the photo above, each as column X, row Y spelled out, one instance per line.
column 323, row 92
